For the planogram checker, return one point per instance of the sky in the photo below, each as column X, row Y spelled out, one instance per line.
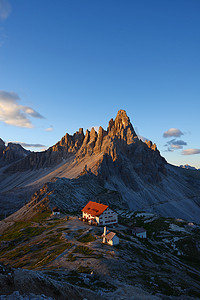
column 70, row 64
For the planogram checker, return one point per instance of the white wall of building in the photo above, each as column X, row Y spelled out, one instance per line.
column 114, row 241
column 108, row 217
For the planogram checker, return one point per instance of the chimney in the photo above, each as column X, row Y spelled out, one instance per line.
column 104, row 231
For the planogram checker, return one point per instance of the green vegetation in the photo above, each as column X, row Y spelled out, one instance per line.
column 83, row 250
column 71, row 257
column 41, row 215
column 87, row 238
column 18, row 253
column 18, row 249
column 155, row 227
column 53, row 254
column 82, row 269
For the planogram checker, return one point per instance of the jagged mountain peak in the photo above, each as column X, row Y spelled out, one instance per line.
column 122, row 128
column 122, row 120
column 118, row 158
column 119, row 140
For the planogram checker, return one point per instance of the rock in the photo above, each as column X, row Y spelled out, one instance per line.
column 2, row 144
column 120, row 139
column 11, row 153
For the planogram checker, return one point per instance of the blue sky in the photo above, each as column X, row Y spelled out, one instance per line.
column 70, row 64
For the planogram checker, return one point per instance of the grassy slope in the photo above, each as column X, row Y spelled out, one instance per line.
column 44, row 243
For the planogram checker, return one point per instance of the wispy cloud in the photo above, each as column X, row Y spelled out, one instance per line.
column 190, row 151
column 49, row 129
column 5, row 9
column 25, row 145
column 15, row 114
column 175, row 145
column 172, row 132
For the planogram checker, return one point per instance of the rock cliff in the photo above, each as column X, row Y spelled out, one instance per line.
column 122, row 163
column 119, row 140
column 11, row 153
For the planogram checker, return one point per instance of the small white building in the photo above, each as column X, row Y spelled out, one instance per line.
column 110, row 238
column 139, row 232
column 55, row 211
column 99, row 213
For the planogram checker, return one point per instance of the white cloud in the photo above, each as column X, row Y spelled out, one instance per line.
column 25, row 145
column 172, row 132
column 15, row 114
column 190, row 151
column 5, row 9
column 49, row 129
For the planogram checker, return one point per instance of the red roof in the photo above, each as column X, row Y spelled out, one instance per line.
column 95, row 209
column 110, row 235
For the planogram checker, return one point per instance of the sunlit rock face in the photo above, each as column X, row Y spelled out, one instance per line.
column 117, row 158
column 118, row 147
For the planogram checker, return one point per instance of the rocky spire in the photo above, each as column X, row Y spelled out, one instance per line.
column 101, row 134
column 122, row 127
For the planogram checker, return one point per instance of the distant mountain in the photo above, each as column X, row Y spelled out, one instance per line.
column 11, row 153
column 188, row 167
column 120, row 161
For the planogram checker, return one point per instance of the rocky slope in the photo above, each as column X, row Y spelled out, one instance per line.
column 61, row 255
column 121, row 161
column 11, row 153
column 70, row 195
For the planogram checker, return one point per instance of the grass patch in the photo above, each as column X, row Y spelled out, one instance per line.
column 40, row 216
column 17, row 253
column 156, row 226
column 82, row 269
column 49, row 257
column 19, row 233
column 15, row 231
column 87, row 238
column 71, row 257
column 83, row 250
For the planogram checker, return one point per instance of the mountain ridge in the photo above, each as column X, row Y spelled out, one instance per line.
column 120, row 134
column 120, row 160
